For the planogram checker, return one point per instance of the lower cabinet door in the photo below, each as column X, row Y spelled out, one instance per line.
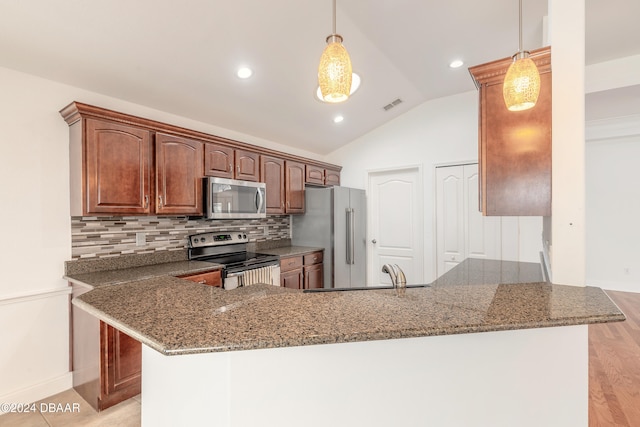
column 291, row 279
column 314, row 277
column 121, row 361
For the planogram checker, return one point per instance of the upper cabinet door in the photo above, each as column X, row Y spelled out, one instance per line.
column 247, row 165
column 272, row 174
column 117, row 169
column 218, row 161
column 178, row 175
column 294, row 187
column 331, row 177
column 314, row 175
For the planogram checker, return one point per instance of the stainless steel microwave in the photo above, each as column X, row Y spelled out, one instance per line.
column 231, row 198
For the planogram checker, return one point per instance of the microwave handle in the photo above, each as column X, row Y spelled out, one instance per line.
column 259, row 200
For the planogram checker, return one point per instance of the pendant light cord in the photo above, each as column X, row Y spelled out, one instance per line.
column 519, row 27
column 334, row 16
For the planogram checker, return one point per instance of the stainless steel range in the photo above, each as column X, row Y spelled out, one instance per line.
column 241, row 268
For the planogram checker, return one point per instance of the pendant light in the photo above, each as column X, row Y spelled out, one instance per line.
column 334, row 71
column 522, row 81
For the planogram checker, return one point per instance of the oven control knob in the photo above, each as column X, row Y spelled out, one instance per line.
column 239, row 236
column 202, row 239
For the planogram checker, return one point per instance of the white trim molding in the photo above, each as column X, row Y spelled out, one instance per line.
column 39, row 391
column 35, row 295
column 616, row 127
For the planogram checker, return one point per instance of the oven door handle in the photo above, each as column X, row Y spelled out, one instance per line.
column 238, row 273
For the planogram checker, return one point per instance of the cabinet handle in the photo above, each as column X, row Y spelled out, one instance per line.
column 203, row 282
column 146, row 201
column 238, row 169
column 160, row 198
column 288, row 204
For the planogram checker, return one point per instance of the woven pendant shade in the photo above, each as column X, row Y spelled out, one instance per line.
column 334, row 71
column 521, row 85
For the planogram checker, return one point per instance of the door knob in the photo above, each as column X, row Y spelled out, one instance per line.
column 374, row 241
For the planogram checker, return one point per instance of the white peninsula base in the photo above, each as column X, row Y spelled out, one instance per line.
column 533, row 377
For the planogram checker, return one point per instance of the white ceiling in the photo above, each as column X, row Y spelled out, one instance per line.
column 180, row 57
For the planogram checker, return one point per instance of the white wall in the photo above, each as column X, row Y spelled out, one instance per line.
column 436, row 132
column 613, row 204
column 35, row 227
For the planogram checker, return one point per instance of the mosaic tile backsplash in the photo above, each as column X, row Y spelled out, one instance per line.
column 103, row 237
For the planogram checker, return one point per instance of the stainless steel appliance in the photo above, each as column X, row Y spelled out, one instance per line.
column 240, row 267
column 335, row 219
column 231, row 198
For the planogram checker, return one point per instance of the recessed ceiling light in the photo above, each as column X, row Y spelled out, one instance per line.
column 355, row 84
column 244, row 72
column 338, row 119
column 456, row 64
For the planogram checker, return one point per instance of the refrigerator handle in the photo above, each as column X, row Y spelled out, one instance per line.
column 350, row 237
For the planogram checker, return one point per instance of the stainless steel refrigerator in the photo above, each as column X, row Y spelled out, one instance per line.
column 335, row 219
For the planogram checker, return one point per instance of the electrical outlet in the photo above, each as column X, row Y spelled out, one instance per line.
column 141, row 239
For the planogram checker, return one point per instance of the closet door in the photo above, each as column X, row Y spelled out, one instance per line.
column 482, row 233
column 449, row 217
column 461, row 230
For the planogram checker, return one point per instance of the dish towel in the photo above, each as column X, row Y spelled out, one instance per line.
column 258, row 275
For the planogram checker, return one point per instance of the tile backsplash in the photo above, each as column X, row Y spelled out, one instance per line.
column 103, row 237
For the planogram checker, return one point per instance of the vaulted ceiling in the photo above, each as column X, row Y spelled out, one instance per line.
column 181, row 57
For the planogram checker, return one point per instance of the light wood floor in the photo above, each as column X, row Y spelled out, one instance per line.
column 614, row 382
column 614, row 367
column 124, row 414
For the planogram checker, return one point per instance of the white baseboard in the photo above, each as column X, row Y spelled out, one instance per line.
column 39, row 391
column 615, row 286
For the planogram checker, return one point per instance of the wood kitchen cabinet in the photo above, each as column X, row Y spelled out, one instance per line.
column 178, row 175
column 331, row 177
column 514, row 146
column 291, row 272
column 285, row 185
column 302, row 272
column 116, row 177
column 218, row 160
column 247, row 165
column 211, row 278
column 225, row 162
column 106, row 362
column 126, row 165
column 313, row 271
column 121, row 365
column 294, row 187
column 272, row 173
column 321, row 176
column 112, row 167
column 314, row 175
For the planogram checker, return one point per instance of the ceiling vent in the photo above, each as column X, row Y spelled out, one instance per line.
column 392, row 104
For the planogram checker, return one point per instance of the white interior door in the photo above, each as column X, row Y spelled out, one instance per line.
column 461, row 230
column 449, row 217
column 395, row 225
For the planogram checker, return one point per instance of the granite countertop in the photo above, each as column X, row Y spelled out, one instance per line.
column 175, row 316
column 126, row 275
column 287, row 251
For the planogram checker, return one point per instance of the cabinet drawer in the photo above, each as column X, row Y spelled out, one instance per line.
column 211, row 278
column 314, row 258
column 291, row 263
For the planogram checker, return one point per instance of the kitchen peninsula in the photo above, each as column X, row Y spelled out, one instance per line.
column 264, row 355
